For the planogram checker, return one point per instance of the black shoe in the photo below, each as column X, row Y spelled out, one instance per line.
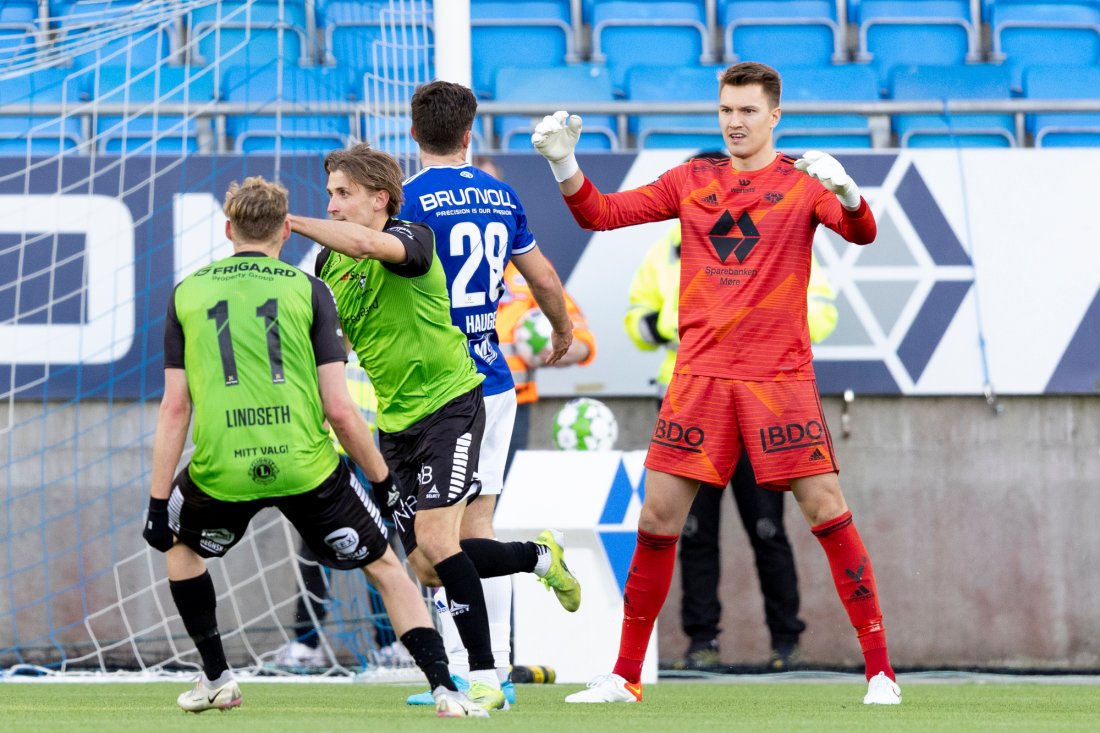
column 700, row 655
column 784, row 658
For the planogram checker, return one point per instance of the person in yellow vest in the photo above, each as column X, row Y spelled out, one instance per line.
column 304, row 653
column 515, row 305
column 652, row 323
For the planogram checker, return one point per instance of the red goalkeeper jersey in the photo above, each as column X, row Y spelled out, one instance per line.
column 745, row 258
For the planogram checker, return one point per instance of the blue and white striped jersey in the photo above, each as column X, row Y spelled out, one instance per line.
column 479, row 224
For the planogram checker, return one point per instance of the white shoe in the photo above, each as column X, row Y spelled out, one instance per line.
column 453, row 704
column 296, row 655
column 608, row 688
column 881, row 690
column 203, row 697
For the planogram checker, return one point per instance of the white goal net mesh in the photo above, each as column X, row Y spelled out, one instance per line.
column 122, row 123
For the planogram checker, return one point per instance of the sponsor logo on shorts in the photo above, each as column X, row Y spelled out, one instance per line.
column 817, row 455
column 342, row 541
column 425, row 475
column 672, row 434
column 213, row 547
column 791, row 436
column 433, row 493
column 221, row 536
column 404, row 514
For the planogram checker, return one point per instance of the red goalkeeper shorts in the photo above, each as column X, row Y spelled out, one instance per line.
column 706, row 422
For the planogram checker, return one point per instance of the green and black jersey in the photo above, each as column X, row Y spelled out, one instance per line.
column 398, row 320
column 250, row 331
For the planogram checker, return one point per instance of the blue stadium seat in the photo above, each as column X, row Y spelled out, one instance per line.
column 909, row 32
column 847, row 83
column 365, row 38
column 526, row 32
column 18, row 31
column 39, row 134
column 576, row 83
column 588, row 6
column 1063, row 129
column 941, row 83
column 256, row 35
column 675, row 83
column 1026, row 34
column 626, row 34
column 150, row 128
column 315, row 129
column 783, row 32
column 988, row 6
column 87, row 29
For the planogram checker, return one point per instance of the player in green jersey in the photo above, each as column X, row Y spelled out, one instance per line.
column 253, row 348
column 394, row 306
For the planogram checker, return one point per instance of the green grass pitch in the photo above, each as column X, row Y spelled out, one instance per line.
column 675, row 706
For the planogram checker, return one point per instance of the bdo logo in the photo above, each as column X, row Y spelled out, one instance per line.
column 674, row 435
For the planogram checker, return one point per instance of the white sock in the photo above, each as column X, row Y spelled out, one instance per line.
column 498, row 603
column 488, row 676
column 457, row 656
column 542, row 564
column 223, row 679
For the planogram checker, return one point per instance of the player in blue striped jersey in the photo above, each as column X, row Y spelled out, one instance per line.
column 479, row 225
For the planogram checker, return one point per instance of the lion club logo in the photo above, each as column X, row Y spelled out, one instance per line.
column 263, row 471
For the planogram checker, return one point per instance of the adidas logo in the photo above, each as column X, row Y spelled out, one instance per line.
column 711, row 199
column 860, row 594
column 433, row 493
column 817, row 455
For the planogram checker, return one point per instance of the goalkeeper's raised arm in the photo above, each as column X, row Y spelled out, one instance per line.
column 556, row 139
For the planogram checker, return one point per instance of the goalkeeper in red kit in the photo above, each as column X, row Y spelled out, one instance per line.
column 744, row 378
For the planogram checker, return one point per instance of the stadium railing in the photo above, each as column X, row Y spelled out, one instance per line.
column 878, row 113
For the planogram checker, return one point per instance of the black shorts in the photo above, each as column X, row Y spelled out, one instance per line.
column 338, row 520
column 435, row 460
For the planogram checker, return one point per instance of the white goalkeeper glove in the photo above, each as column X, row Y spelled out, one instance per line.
column 830, row 172
column 556, row 137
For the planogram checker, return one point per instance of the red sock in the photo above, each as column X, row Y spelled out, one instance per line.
column 646, row 590
column 855, row 583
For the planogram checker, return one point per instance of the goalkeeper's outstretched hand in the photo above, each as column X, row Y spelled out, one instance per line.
column 832, row 175
column 556, row 138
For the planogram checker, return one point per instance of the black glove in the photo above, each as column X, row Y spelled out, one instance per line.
column 387, row 494
column 156, row 531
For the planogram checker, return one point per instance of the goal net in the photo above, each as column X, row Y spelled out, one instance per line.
column 122, row 123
